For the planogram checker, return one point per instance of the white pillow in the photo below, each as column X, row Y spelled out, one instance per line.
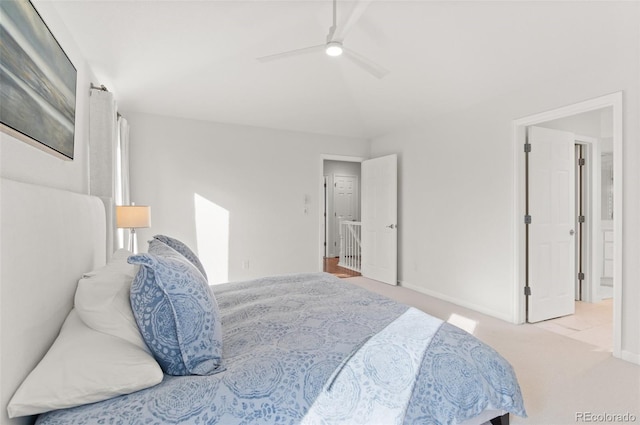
column 84, row 366
column 102, row 299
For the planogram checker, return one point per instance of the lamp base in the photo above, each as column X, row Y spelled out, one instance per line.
column 133, row 241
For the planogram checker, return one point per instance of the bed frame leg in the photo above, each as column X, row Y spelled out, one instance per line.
column 501, row 420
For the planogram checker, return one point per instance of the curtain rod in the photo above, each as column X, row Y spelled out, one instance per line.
column 100, row 87
column 103, row 88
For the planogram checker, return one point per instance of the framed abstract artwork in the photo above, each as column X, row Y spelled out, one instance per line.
column 37, row 82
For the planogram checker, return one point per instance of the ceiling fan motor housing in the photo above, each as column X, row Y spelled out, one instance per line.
column 334, row 48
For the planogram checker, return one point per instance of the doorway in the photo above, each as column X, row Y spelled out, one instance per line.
column 342, row 177
column 613, row 121
column 344, row 199
column 370, row 245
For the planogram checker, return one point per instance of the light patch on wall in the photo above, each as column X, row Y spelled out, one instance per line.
column 463, row 323
column 212, row 235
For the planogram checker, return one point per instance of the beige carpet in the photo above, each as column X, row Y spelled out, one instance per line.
column 560, row 377
column 591, row 323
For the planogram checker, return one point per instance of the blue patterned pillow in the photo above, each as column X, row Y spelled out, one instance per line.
column 182, row 249
column 177, row 314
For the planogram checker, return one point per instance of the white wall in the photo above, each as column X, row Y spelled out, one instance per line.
column 585, row 124
column 20, row 161
column 598, row 124
column 456, row 206
column 261, row 177
column 342, row 167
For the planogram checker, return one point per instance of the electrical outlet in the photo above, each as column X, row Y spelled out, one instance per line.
column 245, row 265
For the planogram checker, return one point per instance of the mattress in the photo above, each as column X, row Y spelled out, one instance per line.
column 313, row 349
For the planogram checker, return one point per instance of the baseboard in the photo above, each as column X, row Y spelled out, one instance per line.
column 456, row 301
column 630, row 357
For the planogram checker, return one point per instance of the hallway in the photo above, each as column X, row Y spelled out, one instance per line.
column 330, row 265
column 592, row 323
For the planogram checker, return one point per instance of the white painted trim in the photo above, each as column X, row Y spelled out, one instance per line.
column 325, row 219
column 630, row 357
column 617, row 224
column 327, row 157
column 343, row 158
column 593, row 206
column 613, row 100
column 518, row 229
column 471, row 306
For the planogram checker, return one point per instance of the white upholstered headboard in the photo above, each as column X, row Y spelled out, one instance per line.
column 49, row 238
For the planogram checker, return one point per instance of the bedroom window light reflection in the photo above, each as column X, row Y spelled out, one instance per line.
column 463, row 323
column 212, row 237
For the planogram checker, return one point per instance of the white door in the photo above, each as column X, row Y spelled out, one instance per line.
column 379, row 219
column 551, row 232
column 345, row 205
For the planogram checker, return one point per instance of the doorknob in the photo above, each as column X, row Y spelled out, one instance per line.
column 572, row 232
column 391, row 226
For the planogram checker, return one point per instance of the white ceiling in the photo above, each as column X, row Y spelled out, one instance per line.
column 197, row 59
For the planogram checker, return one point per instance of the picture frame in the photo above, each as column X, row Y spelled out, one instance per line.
column 38, row 82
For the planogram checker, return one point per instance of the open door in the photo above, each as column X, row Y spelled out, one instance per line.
column 379, row 216
column 551, row 232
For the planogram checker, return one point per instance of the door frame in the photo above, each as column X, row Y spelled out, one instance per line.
column 328, row 157
column 592, row 205
column 324, row 213
column 519, row 126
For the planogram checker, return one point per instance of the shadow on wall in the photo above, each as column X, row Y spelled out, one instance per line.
column 212, row 237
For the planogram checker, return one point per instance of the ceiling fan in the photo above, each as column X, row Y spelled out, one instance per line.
column 334, row 46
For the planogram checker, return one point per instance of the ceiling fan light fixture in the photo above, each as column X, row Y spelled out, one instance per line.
column 334, row 48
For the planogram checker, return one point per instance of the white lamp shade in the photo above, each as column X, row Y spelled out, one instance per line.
column 133, row 216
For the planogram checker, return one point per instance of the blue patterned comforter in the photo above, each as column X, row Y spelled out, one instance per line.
column 312, row 349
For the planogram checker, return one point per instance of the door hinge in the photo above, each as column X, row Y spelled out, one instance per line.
column 527, row 147
column 580, row 276
column 581, row 162
column 527, row 290
column 527, row 219
column 581, row 219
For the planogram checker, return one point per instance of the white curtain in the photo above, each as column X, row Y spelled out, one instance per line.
column 122, row 186
column 108, row 160
column 123, row 143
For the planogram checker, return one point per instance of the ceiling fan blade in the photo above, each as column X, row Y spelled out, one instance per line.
column 290, row 53
column 366, row 64
column 357, row 11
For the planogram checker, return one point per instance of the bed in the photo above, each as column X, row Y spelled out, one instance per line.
column 295, row 349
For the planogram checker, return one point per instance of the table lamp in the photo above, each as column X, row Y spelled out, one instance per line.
column 133, row 217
